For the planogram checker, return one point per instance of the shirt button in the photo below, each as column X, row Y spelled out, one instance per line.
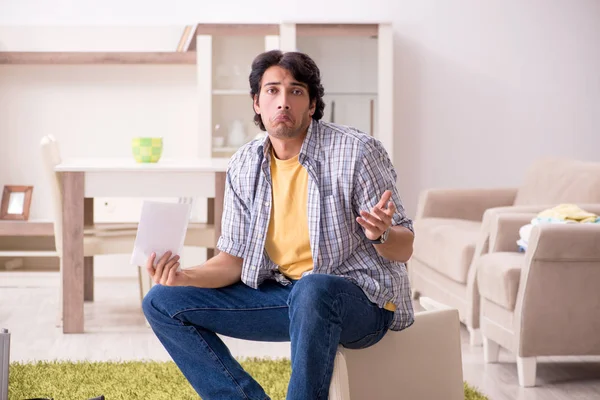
column 267, row 203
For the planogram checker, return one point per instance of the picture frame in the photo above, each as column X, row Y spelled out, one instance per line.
column 16, row 202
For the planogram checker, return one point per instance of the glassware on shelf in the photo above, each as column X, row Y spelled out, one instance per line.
column 237, row 134
column 218, row 141
column 218, row 137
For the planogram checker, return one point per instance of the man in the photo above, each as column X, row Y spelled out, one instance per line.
column 313, row 245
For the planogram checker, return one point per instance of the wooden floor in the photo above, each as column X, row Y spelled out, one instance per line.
column 116, row 330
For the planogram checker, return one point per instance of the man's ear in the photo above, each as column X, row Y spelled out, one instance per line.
column 313, row 107
column 256, row 105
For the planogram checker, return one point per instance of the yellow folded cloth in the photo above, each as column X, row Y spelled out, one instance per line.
column 568, row 212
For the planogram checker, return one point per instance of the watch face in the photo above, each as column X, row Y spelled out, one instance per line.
column 384, row 235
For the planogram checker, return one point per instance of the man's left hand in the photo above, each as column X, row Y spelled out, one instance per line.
column 379, row 219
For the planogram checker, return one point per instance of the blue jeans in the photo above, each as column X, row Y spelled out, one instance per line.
column 315, row 313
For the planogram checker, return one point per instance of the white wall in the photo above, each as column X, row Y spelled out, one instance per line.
column 485, row 87
column 482, row 88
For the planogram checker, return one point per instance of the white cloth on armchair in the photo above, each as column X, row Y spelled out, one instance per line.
column 423, row 361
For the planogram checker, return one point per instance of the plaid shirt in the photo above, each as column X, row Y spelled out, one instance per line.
column 348, row 171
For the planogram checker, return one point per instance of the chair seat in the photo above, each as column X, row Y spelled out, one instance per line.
column 498, row 276
column 446, row 245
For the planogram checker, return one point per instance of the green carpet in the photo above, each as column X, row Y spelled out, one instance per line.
column 135, row 380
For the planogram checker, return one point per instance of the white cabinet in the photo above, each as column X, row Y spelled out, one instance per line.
column 355, row 60
column 224, row 58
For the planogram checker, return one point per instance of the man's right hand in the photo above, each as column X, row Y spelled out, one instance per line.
column 220, row 271
column 165, row 271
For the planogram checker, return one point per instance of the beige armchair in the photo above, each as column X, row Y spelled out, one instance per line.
column 544, row 302
column 452, row 229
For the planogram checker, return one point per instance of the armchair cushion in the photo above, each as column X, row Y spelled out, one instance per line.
column 446, row 245
column 462, row 203
column 498, row 276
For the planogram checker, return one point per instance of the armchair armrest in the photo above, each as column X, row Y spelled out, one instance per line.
column 467, row 204
column 501, row 224
column 504, row 230
column 558, row 294
column 565, row 242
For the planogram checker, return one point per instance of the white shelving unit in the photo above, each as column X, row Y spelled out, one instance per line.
column 356, row 63
column 224, row 63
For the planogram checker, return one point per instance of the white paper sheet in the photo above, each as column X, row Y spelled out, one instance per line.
column 162, row 228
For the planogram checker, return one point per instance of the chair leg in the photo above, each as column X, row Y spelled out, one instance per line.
column 88, row 278
column 145, row 282
column 474, row 336
column 491, row 350
column 526, row 369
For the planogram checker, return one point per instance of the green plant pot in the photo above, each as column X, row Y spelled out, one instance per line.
column 147, row 149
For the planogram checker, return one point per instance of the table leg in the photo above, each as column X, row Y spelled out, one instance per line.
column 72, row 261
column 88, row 262
column 88, row 278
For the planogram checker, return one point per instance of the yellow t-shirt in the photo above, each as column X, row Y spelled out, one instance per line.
column 288, row 242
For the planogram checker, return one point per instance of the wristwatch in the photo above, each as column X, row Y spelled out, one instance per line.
column 381, row 239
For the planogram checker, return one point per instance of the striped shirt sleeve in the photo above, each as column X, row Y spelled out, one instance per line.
column 235, row 221
column 375, row 175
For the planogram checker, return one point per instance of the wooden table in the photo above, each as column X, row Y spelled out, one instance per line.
column 84, row 179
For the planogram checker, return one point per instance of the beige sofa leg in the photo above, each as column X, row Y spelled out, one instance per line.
column 491, row 351
column 474, row 336
column 526, row 368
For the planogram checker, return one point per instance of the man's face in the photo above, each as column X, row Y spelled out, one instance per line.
column 284, row 104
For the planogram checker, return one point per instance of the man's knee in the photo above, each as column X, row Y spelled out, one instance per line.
column 314, row 289
column 156, row 297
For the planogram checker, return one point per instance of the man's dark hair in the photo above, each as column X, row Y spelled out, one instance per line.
column 302, row 68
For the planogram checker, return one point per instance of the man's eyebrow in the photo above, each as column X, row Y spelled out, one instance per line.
column 291, row 84
column 299, row 84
